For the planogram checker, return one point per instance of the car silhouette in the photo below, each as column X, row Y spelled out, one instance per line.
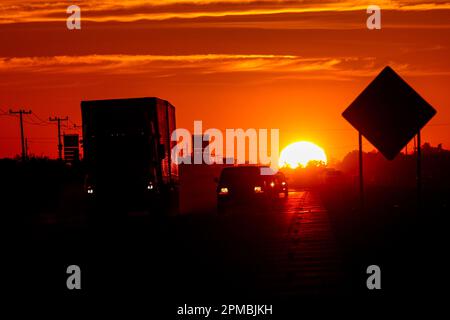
column 246, row 184
column 279, row 184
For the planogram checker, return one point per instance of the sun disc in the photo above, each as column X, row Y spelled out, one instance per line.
column 299, row 154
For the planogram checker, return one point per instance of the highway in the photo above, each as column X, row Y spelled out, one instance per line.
column 279, row 249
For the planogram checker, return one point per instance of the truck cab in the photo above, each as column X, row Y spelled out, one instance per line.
column 127, row 153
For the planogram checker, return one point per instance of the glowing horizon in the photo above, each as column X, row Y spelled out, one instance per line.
column 300, row 154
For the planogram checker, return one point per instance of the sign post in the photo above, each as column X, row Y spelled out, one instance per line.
column 419, row 173
column 361, row 175
column 389, row 113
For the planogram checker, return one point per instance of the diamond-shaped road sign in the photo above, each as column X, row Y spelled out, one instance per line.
column 388, row 113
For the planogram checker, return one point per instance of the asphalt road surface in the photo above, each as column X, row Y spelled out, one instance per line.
column 277, row 250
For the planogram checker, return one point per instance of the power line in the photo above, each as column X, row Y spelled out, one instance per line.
column 36, row 123
column 4, row 113
column 41, row 120
column 32, row 122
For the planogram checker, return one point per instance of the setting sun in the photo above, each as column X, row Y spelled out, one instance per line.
column 300, row 154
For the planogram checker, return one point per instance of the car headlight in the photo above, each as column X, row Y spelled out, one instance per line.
column 258, row 189
column 223, row 191
column 150, row 186
column 90, row 190
column 272, row 184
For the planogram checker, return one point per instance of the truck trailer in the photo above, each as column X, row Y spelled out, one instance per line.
column 127, row 154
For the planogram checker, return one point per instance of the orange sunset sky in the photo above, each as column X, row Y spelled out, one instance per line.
column 292, row 65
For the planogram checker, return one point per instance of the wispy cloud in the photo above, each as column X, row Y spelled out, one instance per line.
column 129, row 64
column 12, row 11
column 275, row 67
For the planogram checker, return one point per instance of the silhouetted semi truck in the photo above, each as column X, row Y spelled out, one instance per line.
column 127, row 153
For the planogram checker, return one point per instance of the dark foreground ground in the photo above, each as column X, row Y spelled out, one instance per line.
column 309, row 249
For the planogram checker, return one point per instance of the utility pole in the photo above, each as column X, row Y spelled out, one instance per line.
column 21, row 112
column 26, row 148
column 60, row 146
